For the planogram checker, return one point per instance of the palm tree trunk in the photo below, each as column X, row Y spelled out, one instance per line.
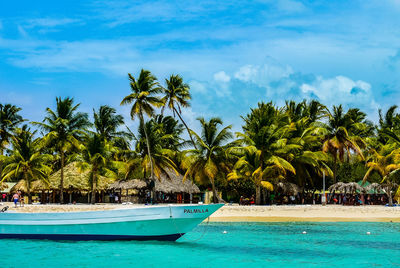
column 153, row 193
column 28, row 187
column 187, row 128
column 1, row 164
column 214, row 191
column 94, row 187
column 258, row 195
column 389, row 194
column 62, row 178
column 334, row 169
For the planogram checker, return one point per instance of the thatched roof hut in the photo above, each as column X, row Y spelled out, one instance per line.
column 288, row 187
column 3, row 186
column 73, row 180
column 129, row 184
column 172, row 184
column 19, row 186
column 175, row 184
column 348, row 188
column 76, row 180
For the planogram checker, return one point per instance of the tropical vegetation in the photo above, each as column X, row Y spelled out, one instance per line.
column 296, row 144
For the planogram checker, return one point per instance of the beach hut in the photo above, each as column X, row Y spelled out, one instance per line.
column 169, row 188
column 288, row 188
column 173, row 188
column 129, row 190
column 3, row 186
column 76, row 183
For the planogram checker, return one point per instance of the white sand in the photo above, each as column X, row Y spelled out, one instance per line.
column 255, row 213
column 307, row 213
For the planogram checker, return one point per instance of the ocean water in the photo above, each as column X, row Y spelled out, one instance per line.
column 224, row 245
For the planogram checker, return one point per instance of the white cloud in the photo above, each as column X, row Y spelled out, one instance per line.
column 49, row 22
column 222, row 77
column 341, row 90
column 196, row 86
column 264, row 74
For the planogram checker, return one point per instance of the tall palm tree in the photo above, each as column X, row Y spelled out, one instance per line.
column 144, row 99
column 9, row 120
column 64, row 129
column 266, row 129
column 338, row 141
column 208, row 162
column 177, row 95
column 107, row 122
column 27, row 161
column 249, row 166
column 96, row 157
column 385, row 161
column 161, row 156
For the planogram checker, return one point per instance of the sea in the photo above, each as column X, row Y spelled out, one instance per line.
column 286, row 244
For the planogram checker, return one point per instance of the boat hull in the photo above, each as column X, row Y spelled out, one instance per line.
column 167, row 223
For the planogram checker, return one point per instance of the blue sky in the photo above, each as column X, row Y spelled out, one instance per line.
column 232, row 53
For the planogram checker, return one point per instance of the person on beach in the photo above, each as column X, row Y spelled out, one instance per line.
column 15, row 199
column 4, row 197
column 21, row 200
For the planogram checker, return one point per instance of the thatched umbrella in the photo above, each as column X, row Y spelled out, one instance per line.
column 347, row 188
column 374, row 188
column 3, row 186
column 288, row 187
column 337, row 187
column 353, row 187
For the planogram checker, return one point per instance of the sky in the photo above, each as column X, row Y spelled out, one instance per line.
column 232, row 53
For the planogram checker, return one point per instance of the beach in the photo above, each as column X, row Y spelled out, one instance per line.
column 236, row 213
column 314, row 213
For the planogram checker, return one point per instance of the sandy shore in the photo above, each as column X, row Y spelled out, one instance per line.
column 316, row 213
column 235, row 213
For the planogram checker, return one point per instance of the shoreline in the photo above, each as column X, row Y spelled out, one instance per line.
column 306, row 213
column 236, row 213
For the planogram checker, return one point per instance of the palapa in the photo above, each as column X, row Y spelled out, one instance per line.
column 347, row 188
column 173, row 183
column 128, row 184
column 288, row 187
column 77, row 180
column 3, row 186
column 74, row 180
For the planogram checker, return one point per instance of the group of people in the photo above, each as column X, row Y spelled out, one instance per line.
column 18, row 198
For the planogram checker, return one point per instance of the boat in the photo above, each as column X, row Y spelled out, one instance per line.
column 158, row 222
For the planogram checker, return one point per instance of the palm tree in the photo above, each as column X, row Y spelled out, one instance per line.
column 208, row 162
column 26, row 160
column 249, row 166
column 107, row 122
column 266, row 129
column 64, row 128
column 385, row 161
column 176, row 95
column 162, row 154
column 338, row 141
column 143, row 99
column 9, row 120
column 96, row 157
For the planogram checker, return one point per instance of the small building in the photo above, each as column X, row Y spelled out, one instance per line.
column 169, row 189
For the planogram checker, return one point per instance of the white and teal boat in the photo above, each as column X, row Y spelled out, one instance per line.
column 168, row 222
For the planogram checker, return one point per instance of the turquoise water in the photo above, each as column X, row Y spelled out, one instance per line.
column 243, row 245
